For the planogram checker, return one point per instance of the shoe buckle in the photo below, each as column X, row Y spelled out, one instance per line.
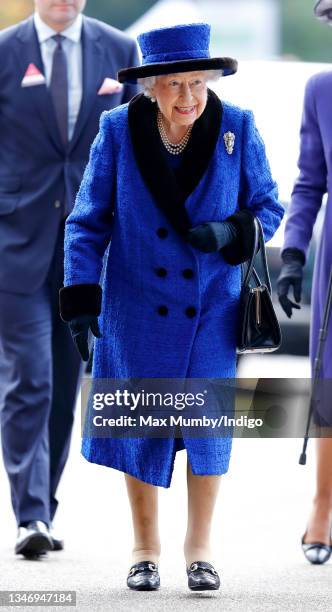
column 194, row 566
column 152, row 567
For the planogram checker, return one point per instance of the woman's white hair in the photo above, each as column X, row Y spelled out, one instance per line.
column 148, row 82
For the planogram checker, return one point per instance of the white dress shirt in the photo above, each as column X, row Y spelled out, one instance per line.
column 73, row 48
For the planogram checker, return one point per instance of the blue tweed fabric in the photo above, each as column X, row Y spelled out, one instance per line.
column 136, row 341
column 190, row 41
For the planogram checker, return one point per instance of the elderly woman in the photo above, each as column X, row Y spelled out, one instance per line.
column 175, row 178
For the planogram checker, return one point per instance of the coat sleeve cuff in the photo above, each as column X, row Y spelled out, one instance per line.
column 240, row 249
column 78, row 300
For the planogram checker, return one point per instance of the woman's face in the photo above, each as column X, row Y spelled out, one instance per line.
column 181, row 97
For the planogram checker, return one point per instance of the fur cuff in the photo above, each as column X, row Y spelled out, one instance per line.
column 240, row 249
column 78, row 300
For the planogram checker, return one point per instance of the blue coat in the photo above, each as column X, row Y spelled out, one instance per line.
column 181, row 324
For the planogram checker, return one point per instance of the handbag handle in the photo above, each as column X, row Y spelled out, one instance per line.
column 258, row 240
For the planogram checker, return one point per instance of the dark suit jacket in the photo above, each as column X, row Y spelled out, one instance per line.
column 35, row 167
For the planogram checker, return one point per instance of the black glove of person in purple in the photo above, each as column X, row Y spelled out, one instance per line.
column 212, row 236
column 291, row 274
column 79, row 329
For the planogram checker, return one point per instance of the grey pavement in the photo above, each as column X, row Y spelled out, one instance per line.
column 260, row 517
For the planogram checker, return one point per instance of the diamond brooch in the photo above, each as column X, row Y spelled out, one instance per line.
column 229, row 139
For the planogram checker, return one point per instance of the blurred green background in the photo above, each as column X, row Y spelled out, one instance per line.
column 301, row 34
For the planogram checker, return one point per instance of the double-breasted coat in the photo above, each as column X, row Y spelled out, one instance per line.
column 180, row 323
column 313, row 182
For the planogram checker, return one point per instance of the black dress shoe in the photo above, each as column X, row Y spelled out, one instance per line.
column 202, row 577
column 58, row 543
column 144, row 576
column 316, row 552
column 33, row 540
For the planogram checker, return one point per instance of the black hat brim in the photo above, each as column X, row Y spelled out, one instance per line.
column 130, row 75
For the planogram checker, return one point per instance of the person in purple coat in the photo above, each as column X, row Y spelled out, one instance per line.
column 315, row 164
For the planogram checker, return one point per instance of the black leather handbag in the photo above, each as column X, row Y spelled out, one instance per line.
column 259, row 330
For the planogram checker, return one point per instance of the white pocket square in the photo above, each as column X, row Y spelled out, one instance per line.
column 110, row 86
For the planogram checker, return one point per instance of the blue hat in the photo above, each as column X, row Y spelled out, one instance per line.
column 181, row 48
column 323, row 10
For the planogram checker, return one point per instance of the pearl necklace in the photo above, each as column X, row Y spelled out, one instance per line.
column 174, row 149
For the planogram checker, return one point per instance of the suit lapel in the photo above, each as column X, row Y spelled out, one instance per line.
column 28, row 52
column 169, row 189
column 93, row 55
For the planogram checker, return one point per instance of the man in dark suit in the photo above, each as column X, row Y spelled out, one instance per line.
column 58, row 76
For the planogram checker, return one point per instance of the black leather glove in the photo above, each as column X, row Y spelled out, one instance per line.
column 212, row 236
column 79, row 329
column 291, row 274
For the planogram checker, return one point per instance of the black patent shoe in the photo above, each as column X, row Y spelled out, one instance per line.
column 316, row 552
column 202, row 577
column 144, row 576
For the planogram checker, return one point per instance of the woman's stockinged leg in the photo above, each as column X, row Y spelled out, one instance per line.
column 202, row 496
column 320, row 521
column 143, row 499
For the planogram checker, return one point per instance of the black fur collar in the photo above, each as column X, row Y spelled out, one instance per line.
column 169, row 189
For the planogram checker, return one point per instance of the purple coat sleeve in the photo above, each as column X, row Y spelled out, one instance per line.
column 311, row 184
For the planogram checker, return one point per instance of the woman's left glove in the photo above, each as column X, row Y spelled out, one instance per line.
column 79, row 329
column 212, row 236
column 80, row 307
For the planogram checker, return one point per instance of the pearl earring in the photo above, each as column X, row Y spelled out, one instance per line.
column 153, row 99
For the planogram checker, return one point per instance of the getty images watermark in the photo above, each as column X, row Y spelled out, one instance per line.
column 179, row 401
column 201, row 408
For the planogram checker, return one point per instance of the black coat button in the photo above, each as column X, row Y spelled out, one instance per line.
column 162, row 232
column 191, row 312
column 163, row 311
column 188, row 273
column 161, row 272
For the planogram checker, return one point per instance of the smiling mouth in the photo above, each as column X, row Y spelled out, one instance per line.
column 185, row 110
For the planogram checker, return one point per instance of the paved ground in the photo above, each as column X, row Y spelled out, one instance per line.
column 261, row 515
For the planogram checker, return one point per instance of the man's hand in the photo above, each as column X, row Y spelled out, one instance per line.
column 212, row 236
column 291, row 274
column 79, row 329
